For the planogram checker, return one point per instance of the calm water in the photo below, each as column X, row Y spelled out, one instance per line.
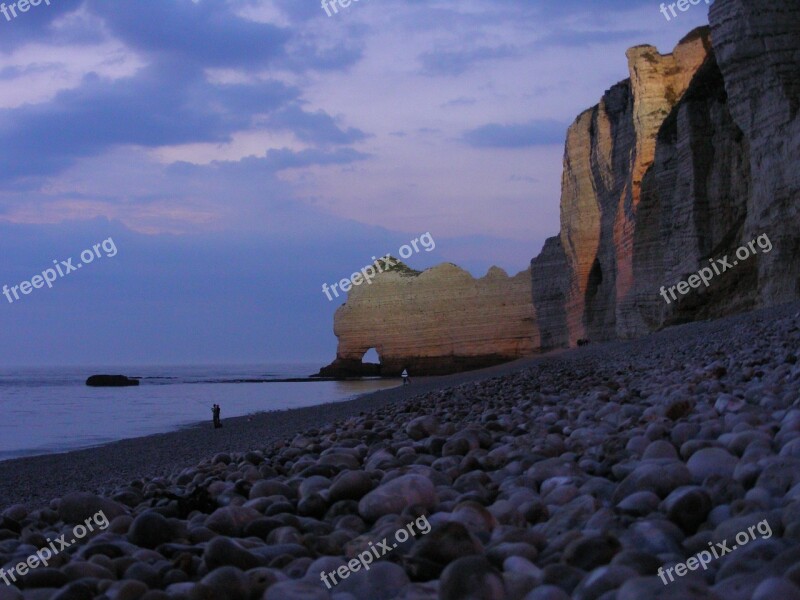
column 52, row 410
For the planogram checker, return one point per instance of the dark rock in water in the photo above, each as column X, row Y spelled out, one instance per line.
column 111, row 381
column 342, row 369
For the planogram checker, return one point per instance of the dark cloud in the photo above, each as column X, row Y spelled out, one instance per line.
column 277, row 160
column 456, row 62
column 298, row 12
column 35, row 25
column 307, row 53
column 274, row 161
column 162, row 105
column 205, row 33
column 171, row 101
column 317, row 127
column 519, row 135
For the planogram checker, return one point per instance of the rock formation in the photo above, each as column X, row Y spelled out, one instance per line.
column 111, row 381
column 758, row 49
column 692, row 157
column 436, row 321
column 608, row 151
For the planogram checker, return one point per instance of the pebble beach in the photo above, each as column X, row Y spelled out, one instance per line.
column 584, row 474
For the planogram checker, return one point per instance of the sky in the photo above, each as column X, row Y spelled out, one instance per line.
column 241, row 153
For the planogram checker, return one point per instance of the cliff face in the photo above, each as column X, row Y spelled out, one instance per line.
column 694, row 205
column 694, row 156
column 757, row 43
column 438, row 321
column 549, row 294
column 608, row 151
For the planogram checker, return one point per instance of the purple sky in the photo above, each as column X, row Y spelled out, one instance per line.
column 241, row 153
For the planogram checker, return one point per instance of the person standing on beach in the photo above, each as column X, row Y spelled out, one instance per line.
column 404, row 375
column 215, row 410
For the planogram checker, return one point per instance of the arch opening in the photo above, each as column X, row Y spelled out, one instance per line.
column 371, row 363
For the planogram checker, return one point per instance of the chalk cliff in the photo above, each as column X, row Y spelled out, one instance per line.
column 693, row 156
column 608, row 151
column 435, row 321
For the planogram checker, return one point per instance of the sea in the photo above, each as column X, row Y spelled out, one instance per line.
column 50, row 410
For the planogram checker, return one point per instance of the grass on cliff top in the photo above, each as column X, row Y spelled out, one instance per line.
column 400, row 268
column 651, row 57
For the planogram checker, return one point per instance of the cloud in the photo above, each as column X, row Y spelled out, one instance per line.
column 317, row 127
column 40, row 23
column 463, row 101
column 207, row 33
column 275, row 161
column 457, row 62
column 520, row 135
column 161, row 105
column 278, row 160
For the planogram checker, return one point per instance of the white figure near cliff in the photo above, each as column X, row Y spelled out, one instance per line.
column 404, row 375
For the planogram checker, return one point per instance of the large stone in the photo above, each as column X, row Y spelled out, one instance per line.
column 350, row 485
column 397, row 494
column 111, row 381
column 711, row 461
column 688, row 507
column 150, row 529
column 443, row 545
column 471, row 577
column 653, row 588
column 222, row 552
column 77, row 507
column 231, row 520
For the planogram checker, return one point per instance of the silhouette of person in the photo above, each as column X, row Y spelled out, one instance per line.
column 215, row 410
column 404, row 375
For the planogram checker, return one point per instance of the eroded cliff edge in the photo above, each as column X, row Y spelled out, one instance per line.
column 693, row 156
column 588, row 270
column 433, row 322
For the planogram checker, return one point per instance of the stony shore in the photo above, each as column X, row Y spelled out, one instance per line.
column 576, row 475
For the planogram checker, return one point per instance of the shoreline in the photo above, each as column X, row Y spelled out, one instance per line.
column 179, row 427
column 571, row 474
column 35, row 480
